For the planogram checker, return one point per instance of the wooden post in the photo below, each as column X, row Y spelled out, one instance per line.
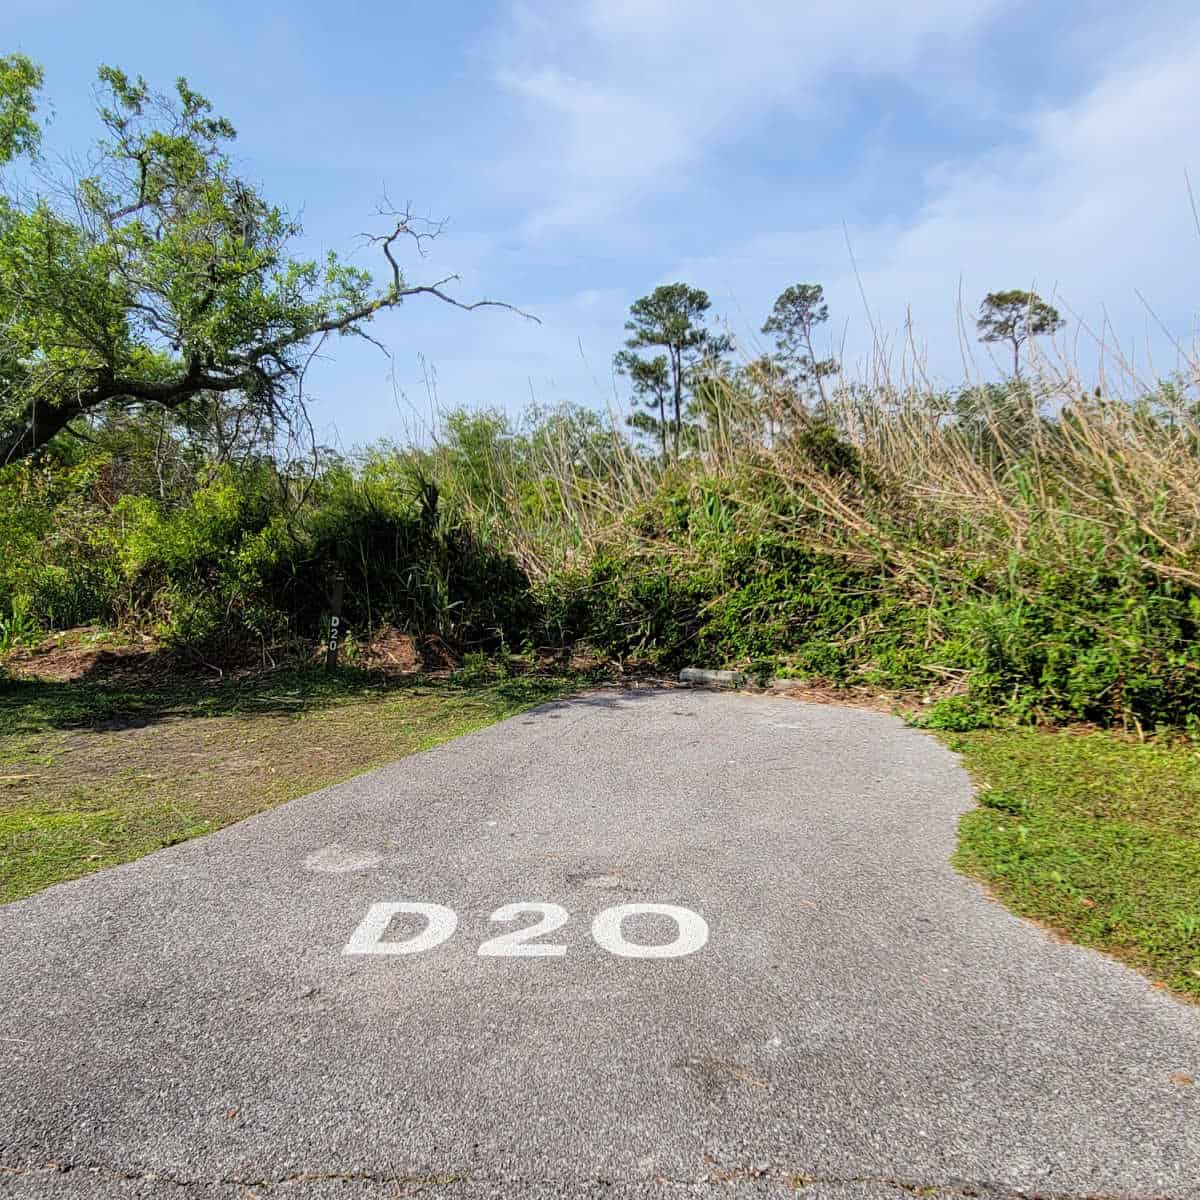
column 335, row 621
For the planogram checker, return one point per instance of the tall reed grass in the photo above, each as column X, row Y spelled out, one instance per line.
column 1040, row 536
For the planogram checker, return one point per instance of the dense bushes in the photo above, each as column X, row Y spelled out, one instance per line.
column 247, row 557
column 1035, row 568
column 766, row 604
column 1102, row 644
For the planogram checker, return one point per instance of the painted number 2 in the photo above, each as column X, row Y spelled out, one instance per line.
column 691, row 930
column 520, row 943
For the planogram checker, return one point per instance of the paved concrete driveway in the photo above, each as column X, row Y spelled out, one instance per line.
column 823, row 1006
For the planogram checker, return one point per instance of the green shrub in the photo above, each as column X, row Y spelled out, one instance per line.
column 956, row 714
column 238, row 558
column 19, row 627
column 1048, row 566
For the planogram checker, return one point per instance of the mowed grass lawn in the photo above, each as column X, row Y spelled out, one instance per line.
column 1095, row 836
column 94, row 775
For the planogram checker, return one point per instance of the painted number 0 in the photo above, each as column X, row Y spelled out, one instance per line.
column 607, row 931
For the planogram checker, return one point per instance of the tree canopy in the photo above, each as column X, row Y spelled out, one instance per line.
column 162, row 278
column 650, row 379
column 798, row 310
column 671, row 318
column 1014, row 317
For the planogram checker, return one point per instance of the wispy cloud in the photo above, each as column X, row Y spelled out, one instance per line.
column 1086, row 199
column 622, row 96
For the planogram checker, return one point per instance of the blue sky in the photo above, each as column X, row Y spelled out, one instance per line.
column 585, row 152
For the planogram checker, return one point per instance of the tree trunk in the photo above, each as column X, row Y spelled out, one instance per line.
column 677, row 373
column 40, row 423
column 816, row 370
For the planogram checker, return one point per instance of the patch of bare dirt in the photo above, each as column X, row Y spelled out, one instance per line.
column 438, row 655
column 97, row 655
column 847, row 697
column 85, row 652
column 393, row 651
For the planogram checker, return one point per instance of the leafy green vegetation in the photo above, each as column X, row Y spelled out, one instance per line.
column 162, row 278
column 1024, row 549
column 92, row 776
column 1095, row 836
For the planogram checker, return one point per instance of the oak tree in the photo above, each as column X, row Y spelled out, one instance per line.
column 161, row 278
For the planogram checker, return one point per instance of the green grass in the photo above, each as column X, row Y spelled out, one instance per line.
column 93, row 775
column 1097, row 837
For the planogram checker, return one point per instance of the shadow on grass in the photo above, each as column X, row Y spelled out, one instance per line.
column 99, row 700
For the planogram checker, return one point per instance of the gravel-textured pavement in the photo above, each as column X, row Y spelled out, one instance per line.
column 861, row 1022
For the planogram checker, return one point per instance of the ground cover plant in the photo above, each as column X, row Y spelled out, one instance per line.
column 1097, row 837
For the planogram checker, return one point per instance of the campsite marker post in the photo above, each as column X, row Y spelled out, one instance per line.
column 335, row 621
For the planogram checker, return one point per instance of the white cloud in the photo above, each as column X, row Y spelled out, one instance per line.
column 1093, row 208
column 625, row 93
